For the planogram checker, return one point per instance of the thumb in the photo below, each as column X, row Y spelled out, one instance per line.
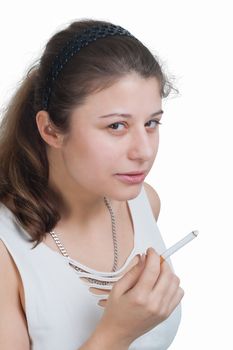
column 129, row 280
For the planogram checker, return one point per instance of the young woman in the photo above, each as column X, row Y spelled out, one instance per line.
column 79, row 244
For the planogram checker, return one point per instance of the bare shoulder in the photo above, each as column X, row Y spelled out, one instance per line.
column 6, row 264
column 153, row 199
column 13, row 328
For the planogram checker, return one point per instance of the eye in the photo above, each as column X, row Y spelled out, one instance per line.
column 156, row 122
column 115, row 126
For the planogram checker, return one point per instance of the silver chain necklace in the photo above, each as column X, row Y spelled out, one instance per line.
column 115, row 244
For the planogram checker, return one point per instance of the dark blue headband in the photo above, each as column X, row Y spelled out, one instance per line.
column 72, row 47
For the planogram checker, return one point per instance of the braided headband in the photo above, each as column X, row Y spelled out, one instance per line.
column 72, row 47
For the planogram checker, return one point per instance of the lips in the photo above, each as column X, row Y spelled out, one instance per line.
column 132, row 173
column 134, row 177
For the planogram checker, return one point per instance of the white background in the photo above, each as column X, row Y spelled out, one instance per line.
column 193, row 170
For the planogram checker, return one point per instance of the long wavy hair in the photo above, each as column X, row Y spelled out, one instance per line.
column 24, row 168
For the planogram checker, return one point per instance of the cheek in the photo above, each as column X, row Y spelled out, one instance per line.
column 90, row 154
column 156, row 146
column 157, row 142
column 102, row 155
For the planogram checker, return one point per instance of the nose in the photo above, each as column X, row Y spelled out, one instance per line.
column 143, row 145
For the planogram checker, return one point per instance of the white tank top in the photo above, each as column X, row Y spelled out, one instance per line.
column 61, row 311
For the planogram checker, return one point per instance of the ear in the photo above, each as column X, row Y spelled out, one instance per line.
column 47, row 130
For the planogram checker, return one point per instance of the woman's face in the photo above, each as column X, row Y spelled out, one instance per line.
column 100, row 147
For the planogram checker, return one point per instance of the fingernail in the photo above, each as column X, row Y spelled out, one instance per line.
column 151, row 249
column 143, row 258
column 140, row 260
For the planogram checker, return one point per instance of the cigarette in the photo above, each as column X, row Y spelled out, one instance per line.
column 178, row 245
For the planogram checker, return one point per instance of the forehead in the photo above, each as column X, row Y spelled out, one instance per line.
column 130, row 94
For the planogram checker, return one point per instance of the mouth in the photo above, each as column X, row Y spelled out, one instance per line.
column 133, row 178
column 133, row 173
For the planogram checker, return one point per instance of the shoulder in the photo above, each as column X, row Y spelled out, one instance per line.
column 8, row 273
column 13, row 328
column 8, row 270
column 153, row 199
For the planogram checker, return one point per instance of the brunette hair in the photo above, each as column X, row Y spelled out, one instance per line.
column 24, row 168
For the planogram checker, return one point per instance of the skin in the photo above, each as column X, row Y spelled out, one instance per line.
column 82, row 168
column 89, row 158
column 94, row 152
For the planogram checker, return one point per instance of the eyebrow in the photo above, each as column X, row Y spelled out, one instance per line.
column 125, row 115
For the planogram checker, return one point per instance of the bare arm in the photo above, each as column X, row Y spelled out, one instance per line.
column 13, row 327
column 103, row 340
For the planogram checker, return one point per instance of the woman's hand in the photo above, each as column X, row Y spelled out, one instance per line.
column 144, row 297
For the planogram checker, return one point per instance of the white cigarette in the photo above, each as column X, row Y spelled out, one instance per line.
column 178, row 245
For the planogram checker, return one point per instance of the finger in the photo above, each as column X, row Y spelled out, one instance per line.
column 150, row 273
column 166, row 285
column 176, row 300
column 167, row 293
column 129, row 279
column 161, row 259
column 102, row 302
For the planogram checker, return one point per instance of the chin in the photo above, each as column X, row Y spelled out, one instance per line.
column 128, row 193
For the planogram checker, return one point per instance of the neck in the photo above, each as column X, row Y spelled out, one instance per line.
column 75, row 203
column 84, row 208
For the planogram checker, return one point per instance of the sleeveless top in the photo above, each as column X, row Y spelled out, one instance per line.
column 61, row 311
